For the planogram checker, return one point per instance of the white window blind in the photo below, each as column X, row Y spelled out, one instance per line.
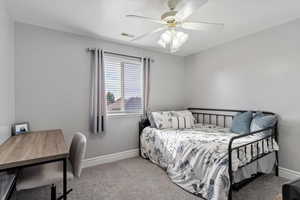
column 123, row 84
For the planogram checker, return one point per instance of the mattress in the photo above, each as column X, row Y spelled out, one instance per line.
column 197, row 159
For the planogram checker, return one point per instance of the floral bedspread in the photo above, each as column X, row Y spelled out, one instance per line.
column 197, row 159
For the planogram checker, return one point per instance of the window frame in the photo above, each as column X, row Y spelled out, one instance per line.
column 123, row 112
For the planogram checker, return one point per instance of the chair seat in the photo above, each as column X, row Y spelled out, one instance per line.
column 42, row 175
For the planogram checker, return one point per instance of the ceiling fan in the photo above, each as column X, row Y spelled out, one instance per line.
column 174, row 19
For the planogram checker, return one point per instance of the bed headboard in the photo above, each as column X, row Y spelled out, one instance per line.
column 220, row 117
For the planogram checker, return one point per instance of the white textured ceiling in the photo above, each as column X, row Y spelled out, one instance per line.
column 106, row 18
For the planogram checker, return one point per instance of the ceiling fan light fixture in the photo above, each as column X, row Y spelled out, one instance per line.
column 174, row 18
column 166, row 36
column 162, row 43
column 170, row 15
column 172, row 39
column 179, row 39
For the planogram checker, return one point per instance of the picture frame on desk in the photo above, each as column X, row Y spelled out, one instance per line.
column 20, row 128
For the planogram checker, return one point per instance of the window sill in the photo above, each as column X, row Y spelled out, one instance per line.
column 125, row 115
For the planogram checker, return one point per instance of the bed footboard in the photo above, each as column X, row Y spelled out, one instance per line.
column 224, row 117
column 255, row 153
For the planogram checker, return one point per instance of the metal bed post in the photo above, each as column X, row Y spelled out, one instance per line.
column 230, row 169
column 276, row 152
column 141, row 127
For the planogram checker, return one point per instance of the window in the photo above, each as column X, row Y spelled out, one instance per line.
column 123, row 84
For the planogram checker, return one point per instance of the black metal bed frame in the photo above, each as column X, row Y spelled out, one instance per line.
column 220, row 117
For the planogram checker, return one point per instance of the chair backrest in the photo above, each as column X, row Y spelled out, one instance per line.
column 77, row 153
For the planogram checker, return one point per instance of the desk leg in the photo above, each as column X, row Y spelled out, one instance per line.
column 65, row 179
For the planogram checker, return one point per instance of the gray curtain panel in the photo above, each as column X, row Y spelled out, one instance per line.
column 97, row 98
column 146, row 89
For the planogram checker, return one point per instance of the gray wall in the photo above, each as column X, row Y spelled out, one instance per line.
column 52, row 86
column 260, row 71
column 6, row 72
column 257, row 72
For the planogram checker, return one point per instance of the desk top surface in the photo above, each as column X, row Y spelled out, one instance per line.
column 32, row 148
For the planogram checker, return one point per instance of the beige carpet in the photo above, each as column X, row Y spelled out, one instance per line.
column 138, row 179
column 278, row 197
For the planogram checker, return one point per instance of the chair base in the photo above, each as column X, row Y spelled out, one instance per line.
column 291, row 190
column 53, row 193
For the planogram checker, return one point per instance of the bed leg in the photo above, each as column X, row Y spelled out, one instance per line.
column 277, row 171
column 230, row 172
column 230, row 193
column 277, row 164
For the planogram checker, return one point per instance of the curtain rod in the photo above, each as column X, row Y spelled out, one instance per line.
column 119, row 54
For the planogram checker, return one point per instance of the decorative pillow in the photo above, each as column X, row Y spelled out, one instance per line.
column 261, row 121
column 241, row 122
column 151, row 120
column 163, row 119
column 175, row 123
column 181, row 122
column 186, row 114
column 188, row 122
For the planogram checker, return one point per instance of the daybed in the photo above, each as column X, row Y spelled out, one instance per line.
column 209, row 160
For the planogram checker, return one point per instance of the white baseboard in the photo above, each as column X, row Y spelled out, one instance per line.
column 99, row 160
column 288, row 173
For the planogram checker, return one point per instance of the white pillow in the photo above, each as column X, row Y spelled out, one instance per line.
column 175, row 123
column 162, row 120
column 181, row 122
column 186, row 114
column 173, row 119
column 188, row 122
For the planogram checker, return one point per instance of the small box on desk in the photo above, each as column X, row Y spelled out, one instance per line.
column 20, row 128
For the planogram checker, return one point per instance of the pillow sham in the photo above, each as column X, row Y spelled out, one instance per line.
column 186, row 114
column 163, row 119
column 181, row 122
column 151, row 120
column 172, row 119
column 241, row 122
column 261, row 121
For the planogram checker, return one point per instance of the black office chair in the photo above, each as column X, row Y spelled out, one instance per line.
column 291, row 190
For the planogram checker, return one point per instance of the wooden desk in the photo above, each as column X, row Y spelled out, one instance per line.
column 35, row 148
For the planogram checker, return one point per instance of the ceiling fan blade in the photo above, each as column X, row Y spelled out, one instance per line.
column 187, row 7
column 202, row 26
column 146, row 19
column 149, row 33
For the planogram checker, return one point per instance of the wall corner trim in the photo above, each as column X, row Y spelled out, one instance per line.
column 109, row 158
column 288, row 173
